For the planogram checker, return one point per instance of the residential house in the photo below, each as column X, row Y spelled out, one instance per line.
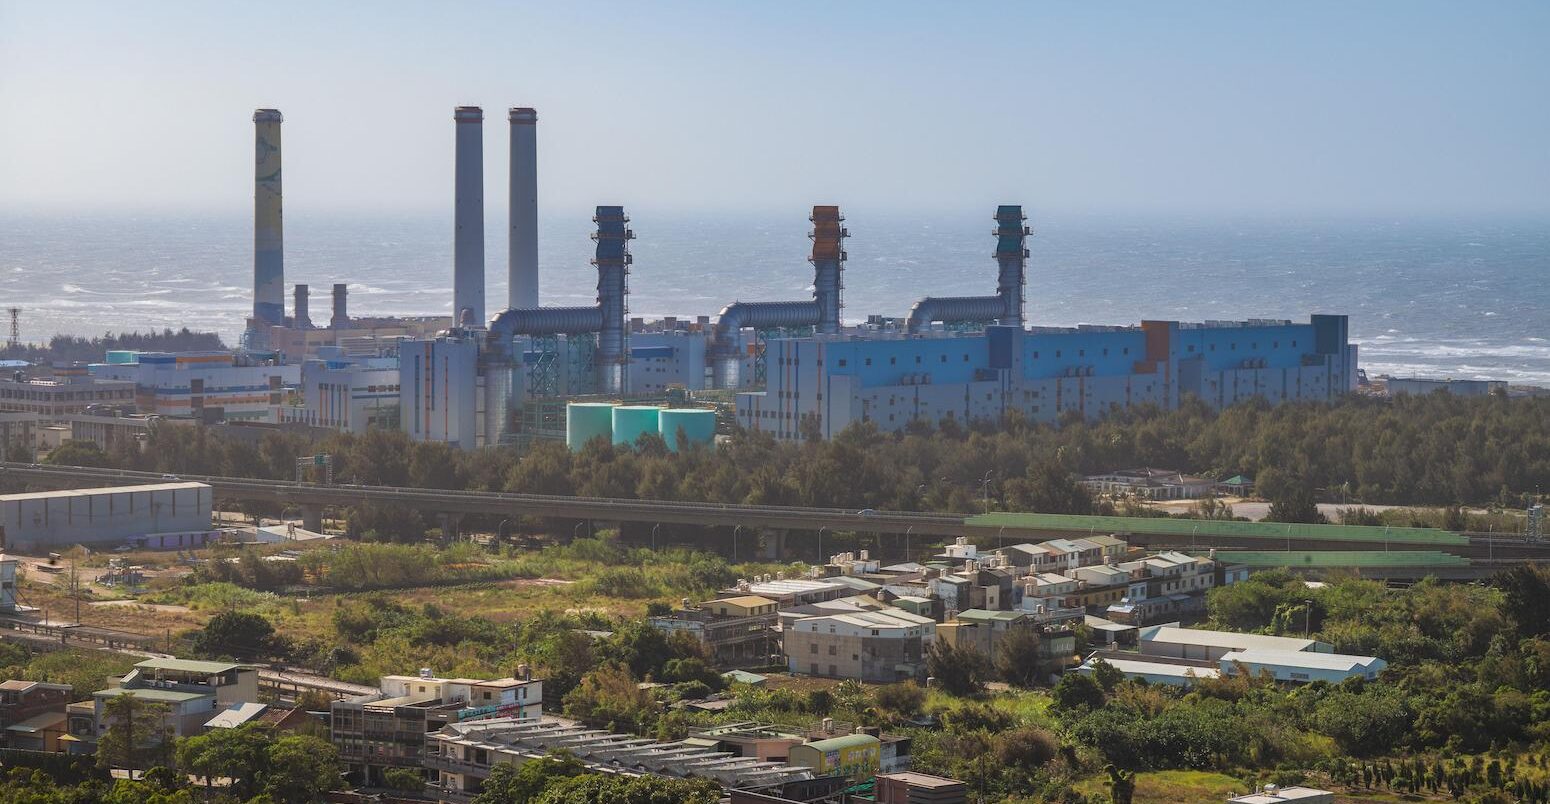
column 30, row 708
column 193, row 691
column 387, row 729
column 878, row 646
column 737, row 631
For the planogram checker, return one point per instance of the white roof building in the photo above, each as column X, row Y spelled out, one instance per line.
column 1199, row 643
column 1304, row 666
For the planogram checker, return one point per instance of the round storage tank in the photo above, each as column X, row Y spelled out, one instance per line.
column 585, row 421
column 698, row 425
column 633, row 421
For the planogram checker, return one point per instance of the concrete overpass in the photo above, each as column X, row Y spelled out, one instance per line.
column 312, row 498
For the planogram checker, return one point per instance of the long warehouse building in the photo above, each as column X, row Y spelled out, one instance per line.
column 160, row 515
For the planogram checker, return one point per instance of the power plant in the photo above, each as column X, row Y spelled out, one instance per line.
column 792, row 368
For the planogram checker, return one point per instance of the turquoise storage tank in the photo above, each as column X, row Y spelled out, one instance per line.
column 633, row 421
column 698, row 424
column 585, row 421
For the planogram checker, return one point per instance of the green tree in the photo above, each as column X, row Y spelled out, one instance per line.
column 1526, row 599
column 958, row 671
column 240, row 755
column 904, row 699
column 78, row 453
column 138, row 735
column 1296, row 504
column 404, row 780
column 303, row 768
column 238, row 634
column 608, row 696
column 609, row 789
column 1017, row 657
column 1077, row 691
column 509, row 782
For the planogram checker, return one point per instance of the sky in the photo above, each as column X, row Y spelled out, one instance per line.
column 1212, row 108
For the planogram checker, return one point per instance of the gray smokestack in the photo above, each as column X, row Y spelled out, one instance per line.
column 299, row 318
column 341, row 319
column 468, row 214
column 522, row 269
column 268, row 232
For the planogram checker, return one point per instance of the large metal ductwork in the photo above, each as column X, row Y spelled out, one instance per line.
column 607, row 320
column 268, row 225
column 299, row 312
column 1006, row 307
column 822, row 313
column 468, row 215
column 522, row 245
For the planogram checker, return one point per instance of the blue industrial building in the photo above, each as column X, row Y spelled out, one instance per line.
column 893, row 379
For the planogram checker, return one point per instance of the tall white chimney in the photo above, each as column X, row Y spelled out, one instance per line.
column 468, row 216
column 522, row 271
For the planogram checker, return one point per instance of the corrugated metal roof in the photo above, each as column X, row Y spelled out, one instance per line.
column 191, row 666
column 847, row 741
column 97, row 492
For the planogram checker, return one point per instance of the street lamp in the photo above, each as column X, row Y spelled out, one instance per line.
column 654, row 529
column 907, row 532
column 734, row 542
column 820, row 542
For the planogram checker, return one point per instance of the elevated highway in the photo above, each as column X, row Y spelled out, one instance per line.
column 441, row 501
column 311, row 498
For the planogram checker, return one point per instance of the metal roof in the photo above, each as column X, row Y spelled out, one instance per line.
column 847, row 741
column 235, row 715
column 192, row 666
column 1225, row 639
column 1297, row 658
column 164, row 696
column 100, row 491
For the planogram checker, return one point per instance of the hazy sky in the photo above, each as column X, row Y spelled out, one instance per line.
column 1303, row 107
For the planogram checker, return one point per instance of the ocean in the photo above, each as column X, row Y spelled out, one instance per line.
column 1436, row 298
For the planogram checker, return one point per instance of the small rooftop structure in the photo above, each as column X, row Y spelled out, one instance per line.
column 1271, row 794
column 236, row 715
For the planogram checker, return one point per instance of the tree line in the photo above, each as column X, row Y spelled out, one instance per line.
column 1422, row 450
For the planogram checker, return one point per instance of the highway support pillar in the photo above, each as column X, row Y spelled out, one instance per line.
column 772, row 544
column 450, row 526
column 312, row 518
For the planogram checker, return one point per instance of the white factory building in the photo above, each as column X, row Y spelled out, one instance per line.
column 159, row 516
column 351, row 395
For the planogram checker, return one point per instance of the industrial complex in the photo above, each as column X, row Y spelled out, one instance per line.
column 517, row 371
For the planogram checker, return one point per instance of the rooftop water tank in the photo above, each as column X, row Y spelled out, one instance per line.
column 633, row 421
column 698, row 425
column 585, row 421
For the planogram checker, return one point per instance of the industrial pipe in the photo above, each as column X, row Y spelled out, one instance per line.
column 1006, row 307
column 822, row 313
column 607, row 319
